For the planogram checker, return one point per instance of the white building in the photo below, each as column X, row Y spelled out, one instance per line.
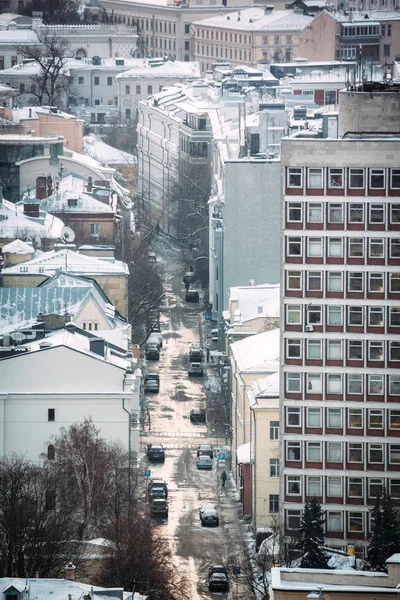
column 252, row 309
column 67, row 376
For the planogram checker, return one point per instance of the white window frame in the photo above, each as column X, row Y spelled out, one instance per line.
column 293, row 514
column 376, row 242
column 274, row 431
column 352, row 173
column 314, row 412
column 338, row 489
column 382, row 389
column 335, row 344
column 335, row 172
column 293, row 479
column 375, row 310
column 335, row 206
column 314, row 480
column 293, row 377
column 360, row 516
column 373, row 481
column 314, row 309
column 288, row 280
column 315, row 172
column 359, row 485
column 296, row 445
column 360, row 414
column 338, row 445
column 394, row 379
column 374, row 206
column 352, row 207
column 274, row 470
column 314, row 206
column 314, row 344
column 376, row 345
column 394, row 173
column 349, row 448
column 295, row 172
column 312, row 244
column 337, row 517
column 338, row 412
column 355, row 242
column 351, row 311
column 294, row 308
column 294, row 345
column 358, row 378
column 394, row 242
column 352, row 343
column 392, row 345
column 376, row 447
column 394, row 277
column 334, row 276
column 312, row 388
column 394, row 449
column 294, row 240
column 335, row 242
column 394, row 310
column 293, row 410
column 338, row 379
column 351, row 277
column 375, row 412
column 314, row 276
column 378, row 279
column 294, row 206
column 316, row 446
column 394, row 207
column 379, row 173
column 335, row 311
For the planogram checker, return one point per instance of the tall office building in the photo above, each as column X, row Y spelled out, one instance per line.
column 341, row 318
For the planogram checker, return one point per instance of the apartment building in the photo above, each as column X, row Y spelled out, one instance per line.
column 341, row 316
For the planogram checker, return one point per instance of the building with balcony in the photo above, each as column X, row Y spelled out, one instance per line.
column 340, row 287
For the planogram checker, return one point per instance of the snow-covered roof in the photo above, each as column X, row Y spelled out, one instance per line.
column 168, row 69
column 266, row 387
column 60, row 589
column 255, row 19
column 18, row 37
column 258, row 353
column 394, row 559
column 18, row 247
column 33, row 112
column 360, row 17
column 257, row 300
column 85, row 203
column 94, row 147
column 244, row 454
column 13, row 222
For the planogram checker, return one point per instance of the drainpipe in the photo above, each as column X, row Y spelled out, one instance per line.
column 253, row 467
column 110, row 46
column 129, row 455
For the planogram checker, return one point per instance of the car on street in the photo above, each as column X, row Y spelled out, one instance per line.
column 156, row 453
column 155, row 338
column 192, row 296
column 159, row 508
column 209, row 517
column 198, row 415
column 152, row 352
column 196, row 353
column 204, row 507
column 195, row 369
column 205, row 450
column 214, row 335
column 204, row 463
column 218, row 579
column 152, row 382
column 157, row 483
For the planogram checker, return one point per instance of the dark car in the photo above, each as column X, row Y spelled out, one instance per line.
column 156, row 483
column 209, row 517
column 218, row 579
column 205, row 450
column 192, row 296
column 152, row 382
column 196, row 353
column 195, row 369
column 198, row 415
column 155, row 453
column 152, row 352
column 159, row 508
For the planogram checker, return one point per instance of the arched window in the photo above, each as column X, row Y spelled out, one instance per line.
column 81, row 53
column 51, row 452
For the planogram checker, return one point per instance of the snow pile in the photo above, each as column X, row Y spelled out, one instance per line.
column 94, row 147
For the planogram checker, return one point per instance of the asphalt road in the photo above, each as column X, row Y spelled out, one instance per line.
column 195, row 548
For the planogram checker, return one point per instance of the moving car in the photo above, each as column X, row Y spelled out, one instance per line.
column 152, row 382
column 155, row 338
column 204, row 463
column 195, row 368
column 192, row 296
column 156, row 453
column 204, row 507
column 198, row 415
column 152, row 352
column 218, row 579
column 152, row 257
column 159, row 508
column 214, row 335
column 205, row 450
column 209, row 517
column 156, row 483
column 196, row 353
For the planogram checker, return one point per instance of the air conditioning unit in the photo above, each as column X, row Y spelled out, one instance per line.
column 309, row 328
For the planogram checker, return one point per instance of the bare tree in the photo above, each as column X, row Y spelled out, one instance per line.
column 61, row 12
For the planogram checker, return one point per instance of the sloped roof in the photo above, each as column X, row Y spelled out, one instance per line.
column 94, row 147
column 59, row 202
column 251, row 298
column 18, row 247
column 258, row 353
column 266, row 387
column 13, row 222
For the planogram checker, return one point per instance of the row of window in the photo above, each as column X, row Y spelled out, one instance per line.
column 353, row 349
column 138, row 89
column 336, row 213
column 224, row 36
column 334, row 383
column 334, row 315
column 338, row 487
column 334, row 418
column 160, row 26
column 356, row 522
column 223, row 52
column 341, row 178
column 335, row 281
column 339, row 247
column 352, row 452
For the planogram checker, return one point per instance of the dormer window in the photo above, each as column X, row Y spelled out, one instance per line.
column 72, row 202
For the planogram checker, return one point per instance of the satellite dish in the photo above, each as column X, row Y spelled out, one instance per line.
column 67, row 235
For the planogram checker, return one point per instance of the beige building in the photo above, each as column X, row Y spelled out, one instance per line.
column 252, row 309
column 248, row 36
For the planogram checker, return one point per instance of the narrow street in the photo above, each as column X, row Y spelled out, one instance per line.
column 195, row 548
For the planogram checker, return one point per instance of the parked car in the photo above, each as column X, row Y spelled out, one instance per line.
column 204, row 463
column 209, row 517
column 156, row 453
column 218, row 579
column 159, row 508
column 157, row 482
column 198, row 415
column 152, row 382
column 152, row 352
column 188, row 278
column 192, row 296
column 204, row 507
column 205, row 450
column 152, row 257
column 155, row 338
column 214, row 335
column 195, row 369
column 196, row 353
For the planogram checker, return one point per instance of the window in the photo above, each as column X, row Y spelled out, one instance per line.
column 81, row 80
column 314, row 213
column 187, row 45
column 335, row 314
column 375, row 351
column 14, row 61
column 395, row 213
column 334, row 521
column 334, row 418
column 274, row 467
column 294, row 246
column 375, row 384
column 356, row 179
column 386, row 49
column 313, row 310
column 376, row 282
column 274, row 503
column 314, row 247
column 265, row 40
column 355, row 453
column 128, row 114
column 375, row 419
column 389, row 29
column 356, row 213
column 394, row 317
column 334, row 452
column 395, row 248
column 187, row 28
column 376, row 213
column 95, row 230
column 293, row 382
column 22, row 87
column 355, row 521
column 335, row 282
column 97, row 81
column 274, row 430
column 314, row 383
column 293, row 312
column 149, row 89
column 355, row 350
column 377, row 179
column 314, row 486
column 293, row 485
column 355, row 418
column 376, row 248
column 294, row 212
column 314, row 417
column 335, row 247
column 375, row 488
column 109, row 81
column 314, row 350
column 394, row 454
column 295, row 177
column 394, row 385
column 335, row 178
column 293, row 451
column 354, row 384
column 395, row 488
column 355, row 487
column 293, row 348
column 375, row 316
column 314, row 285
column 335, row 213
column 394, row 351
column 375, row 453
column 334, row 487
column 294, row 280
column 334, row 350
column 356, row 283
column 356, row 247
column 51, row 452
column 276, row 39
column 314, row 453
column 334, row 384
column 315, row 178
column 138, row 89
column 395, row 282
column 51, row 414
column 293, row 519
column 293, row 417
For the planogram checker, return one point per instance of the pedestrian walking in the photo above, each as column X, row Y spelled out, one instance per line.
column 223, row 478
column 208, row 354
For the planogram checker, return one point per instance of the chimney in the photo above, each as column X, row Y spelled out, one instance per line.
column 97, row 346
column 70, row 572
column 53, row 321
column 89, row 186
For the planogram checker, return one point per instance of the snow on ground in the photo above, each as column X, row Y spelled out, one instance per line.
column 94, row 147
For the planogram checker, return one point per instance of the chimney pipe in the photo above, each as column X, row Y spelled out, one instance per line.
column 70, row 572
